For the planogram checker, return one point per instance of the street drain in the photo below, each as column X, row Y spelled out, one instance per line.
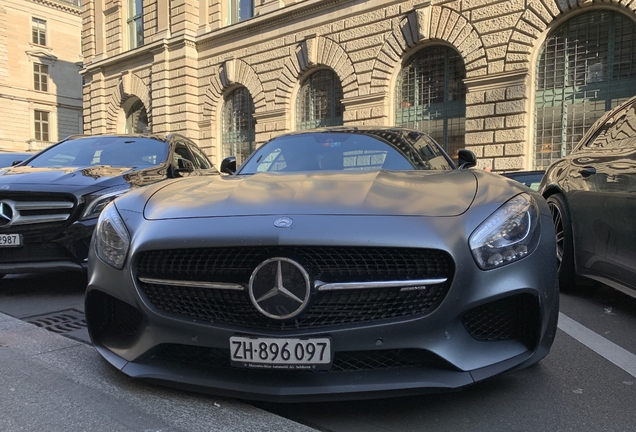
column 64, row 321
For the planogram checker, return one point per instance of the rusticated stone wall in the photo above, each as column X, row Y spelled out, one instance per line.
column 192, row 60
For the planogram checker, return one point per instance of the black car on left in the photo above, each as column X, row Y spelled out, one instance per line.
column 49, row 203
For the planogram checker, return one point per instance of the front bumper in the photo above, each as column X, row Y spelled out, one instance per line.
column 59, row 250
column 144, row 342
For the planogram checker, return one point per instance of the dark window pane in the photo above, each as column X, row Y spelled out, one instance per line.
column 586, row 67
column 431, row 96
column 238, row 133
column 319, row 101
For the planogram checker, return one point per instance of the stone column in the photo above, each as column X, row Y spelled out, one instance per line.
column 270, row 124
column 497, row 120
column 369, row 110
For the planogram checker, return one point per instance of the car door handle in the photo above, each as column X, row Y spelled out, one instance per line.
column 587, row 171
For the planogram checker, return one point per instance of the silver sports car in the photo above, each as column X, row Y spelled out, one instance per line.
column 335, row 263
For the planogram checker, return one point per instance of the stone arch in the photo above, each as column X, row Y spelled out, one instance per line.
column 444, row 24
column 538, row 18
column 231, row 73
column 128, row 85
column 313, row 52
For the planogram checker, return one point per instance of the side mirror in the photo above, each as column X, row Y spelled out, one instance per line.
column 184, row 165
column 466, row 159
column 228, row 165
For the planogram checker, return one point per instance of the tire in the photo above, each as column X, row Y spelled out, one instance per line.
column 564, row 243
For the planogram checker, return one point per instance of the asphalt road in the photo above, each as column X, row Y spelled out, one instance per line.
column 587, row 383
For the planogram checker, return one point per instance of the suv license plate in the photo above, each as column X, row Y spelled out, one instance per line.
column 280, row 353
column 10, row 240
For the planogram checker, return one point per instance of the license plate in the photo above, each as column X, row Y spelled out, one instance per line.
column 280, row 353
column 7, row 240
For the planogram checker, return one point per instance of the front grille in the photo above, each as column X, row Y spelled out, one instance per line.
column 515, row 317
column 328, row 264
column 37, row 212
column 342, row 361
column 36, row 252
column 326, row 308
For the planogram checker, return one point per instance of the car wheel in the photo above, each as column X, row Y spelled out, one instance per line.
column 564, row 244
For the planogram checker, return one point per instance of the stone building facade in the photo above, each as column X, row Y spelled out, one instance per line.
column 40, row 84
column 531, row 75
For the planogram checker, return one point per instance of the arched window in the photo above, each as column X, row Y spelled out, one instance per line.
column 586, row 67
column 137, row 118
column 237, row 137
column 431, row 96
column 319, row 101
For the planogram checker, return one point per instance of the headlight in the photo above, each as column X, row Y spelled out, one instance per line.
column 96, row 202
column 508, row 235
column 111, row 238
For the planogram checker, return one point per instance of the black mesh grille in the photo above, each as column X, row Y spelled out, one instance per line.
column 327, row 308
column 112, row 322
column 37, row 252
column 343, row 361
column 328, row 264
column 514, row 317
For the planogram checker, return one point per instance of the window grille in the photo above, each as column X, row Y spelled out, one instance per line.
column 319, row 101
column 41, row 125
column 135, row 24
column 431, row 96
column 586, row 67
column 38, row 31
column 40, row 77
column 237, row 137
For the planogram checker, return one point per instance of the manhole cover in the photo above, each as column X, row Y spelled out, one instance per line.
column 64, row 321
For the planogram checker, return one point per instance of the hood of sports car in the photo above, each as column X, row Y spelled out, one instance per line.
column 422, row 193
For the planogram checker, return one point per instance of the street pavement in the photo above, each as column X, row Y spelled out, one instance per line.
column 53, row 383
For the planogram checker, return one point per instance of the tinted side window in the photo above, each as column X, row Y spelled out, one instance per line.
column 618, row 131
column 431, row 154
column 201, row 161
column 181, row 152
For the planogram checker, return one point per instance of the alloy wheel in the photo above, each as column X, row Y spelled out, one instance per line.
column 557, row 218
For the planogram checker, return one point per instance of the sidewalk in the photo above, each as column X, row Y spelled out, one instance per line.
column 51, row 383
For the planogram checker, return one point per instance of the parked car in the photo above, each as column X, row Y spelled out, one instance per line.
column 336, row 263
column 592, row 197
column 49, row 204
column 7, row 159
column 532, row 179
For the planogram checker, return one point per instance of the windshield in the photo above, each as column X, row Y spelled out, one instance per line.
column 103, row 150
column 322, row 151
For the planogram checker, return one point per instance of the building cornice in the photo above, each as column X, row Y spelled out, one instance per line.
column 267, row 20
column 495, row 80
column 61, row 5
column 149, row 49
column 271, row 114
column 364, row 101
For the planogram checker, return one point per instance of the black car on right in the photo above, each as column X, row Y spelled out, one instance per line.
column 592, row 197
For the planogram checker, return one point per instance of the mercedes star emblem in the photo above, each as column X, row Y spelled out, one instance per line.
column 279, row 288
column 283, row 222
column 6, row 213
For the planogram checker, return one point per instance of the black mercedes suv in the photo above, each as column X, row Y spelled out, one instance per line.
column 50, row 202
